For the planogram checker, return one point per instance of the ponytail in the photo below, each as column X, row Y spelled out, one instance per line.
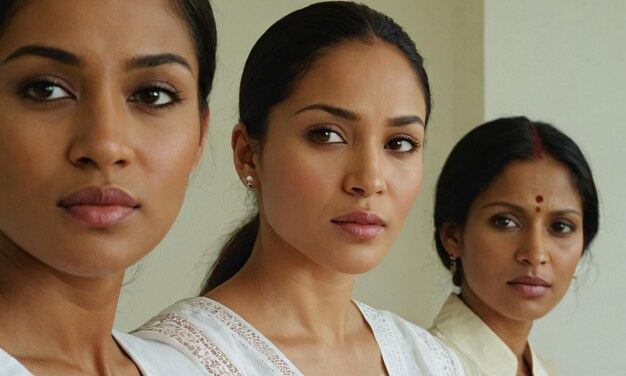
column 233, row 255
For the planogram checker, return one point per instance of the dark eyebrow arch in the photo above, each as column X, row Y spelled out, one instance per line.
column 156, row 60
column 407, row 120
column 53, row 53
column 520, row 209
column 337, row 111
column 352, row 116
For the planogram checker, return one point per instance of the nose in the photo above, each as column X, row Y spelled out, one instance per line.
column 366, row 173
column 533, row 250
column 102, row 135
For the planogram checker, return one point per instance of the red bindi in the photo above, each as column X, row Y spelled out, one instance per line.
column 539, row 199
column 538, row 209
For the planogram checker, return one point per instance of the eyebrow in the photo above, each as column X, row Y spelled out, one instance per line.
column 53, row 53
column 353, row 116
column 518, row 208
column 68, row 58
column 148, row 61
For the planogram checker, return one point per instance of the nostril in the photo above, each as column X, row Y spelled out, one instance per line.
column 84, row 161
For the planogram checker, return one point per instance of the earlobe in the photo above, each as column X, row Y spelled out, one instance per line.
column 451, row 237
column 244, row 153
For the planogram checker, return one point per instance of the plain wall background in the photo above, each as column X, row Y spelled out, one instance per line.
column 411, row 280
column 564, row 61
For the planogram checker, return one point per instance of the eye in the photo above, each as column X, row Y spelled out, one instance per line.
column 158, row 95
column 503, row 221
column 403, row 144
column 562, row 227
column 45, row 90
column 325, row 136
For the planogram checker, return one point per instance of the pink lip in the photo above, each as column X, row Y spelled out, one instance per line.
column 99, row 206
column 361, row 224
column 530, row 286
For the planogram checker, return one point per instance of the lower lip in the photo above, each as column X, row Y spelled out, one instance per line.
column 360, row 231
column 100, row 215
column 531, row 291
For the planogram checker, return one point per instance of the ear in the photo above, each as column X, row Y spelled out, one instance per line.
column 244, row 153
column 451, row 235
column 204, row 126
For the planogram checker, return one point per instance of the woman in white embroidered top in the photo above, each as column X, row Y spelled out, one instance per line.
column 516, row 208
column 334, row 103
column 103, row 111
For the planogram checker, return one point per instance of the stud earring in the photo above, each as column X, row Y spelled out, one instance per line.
column 249, row 180
column 453, row 264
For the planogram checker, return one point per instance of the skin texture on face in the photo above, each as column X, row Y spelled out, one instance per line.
column 507, row 239
column 345, row 147
column 114, row 105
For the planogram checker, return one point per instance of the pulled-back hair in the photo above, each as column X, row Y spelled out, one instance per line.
column 481, row 155
column 278, row 60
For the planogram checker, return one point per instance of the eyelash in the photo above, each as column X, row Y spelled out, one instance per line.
column 163, row 87
column 24, row 89
column 316, row 131
column 41, row 81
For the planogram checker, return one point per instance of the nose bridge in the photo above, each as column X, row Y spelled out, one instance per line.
column 534, row 247
column 101, row 130
column 366, row 175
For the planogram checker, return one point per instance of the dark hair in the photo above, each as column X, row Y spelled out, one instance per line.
column 480, row 156
column 278, row 60
column 197, row 14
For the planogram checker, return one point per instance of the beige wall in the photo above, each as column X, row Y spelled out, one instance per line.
column 564, row 61
column 410, row 281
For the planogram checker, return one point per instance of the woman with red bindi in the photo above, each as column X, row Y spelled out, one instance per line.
column 516, row 208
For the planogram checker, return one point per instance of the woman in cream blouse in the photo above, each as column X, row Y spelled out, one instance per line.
column 516, row 208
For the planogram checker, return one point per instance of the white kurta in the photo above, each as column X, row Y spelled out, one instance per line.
column 223, row 343
column 151, row 358
column 482, row 352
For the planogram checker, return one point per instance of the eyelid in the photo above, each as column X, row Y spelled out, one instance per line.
column 45, row 78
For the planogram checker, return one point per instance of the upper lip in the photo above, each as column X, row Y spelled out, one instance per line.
column 99, row 196
column 529, row 280
column 360, row 217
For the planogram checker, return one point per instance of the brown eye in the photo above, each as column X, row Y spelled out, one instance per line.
column 325, row 136
column 155, row 97
column 402, row 145
column 45, row 91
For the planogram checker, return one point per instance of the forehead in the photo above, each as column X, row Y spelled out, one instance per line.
column 521, row 181
column 101, row 30
column 357, row 75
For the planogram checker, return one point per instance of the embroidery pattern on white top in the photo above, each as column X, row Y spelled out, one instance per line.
column 185, row 333
column 442, row 354
column 242, row 331
column 386, row 341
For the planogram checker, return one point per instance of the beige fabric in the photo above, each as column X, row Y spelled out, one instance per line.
column 480, row 350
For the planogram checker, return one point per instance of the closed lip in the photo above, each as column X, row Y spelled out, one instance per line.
column 99, row 196
column 360, row 218
column 530, row 281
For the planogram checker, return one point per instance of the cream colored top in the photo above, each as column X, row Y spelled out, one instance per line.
column 481, row 351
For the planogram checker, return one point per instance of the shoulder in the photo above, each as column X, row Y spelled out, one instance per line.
column 9, row 366
column 198, row 328
column 417, row 344
column 154, row 358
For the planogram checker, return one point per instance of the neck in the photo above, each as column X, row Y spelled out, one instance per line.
column 514, row 333
column 50, row 317
column 280, row 282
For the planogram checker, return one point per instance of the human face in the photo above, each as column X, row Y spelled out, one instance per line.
column 99, row 131
column 522, row 241
column 342, row 160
